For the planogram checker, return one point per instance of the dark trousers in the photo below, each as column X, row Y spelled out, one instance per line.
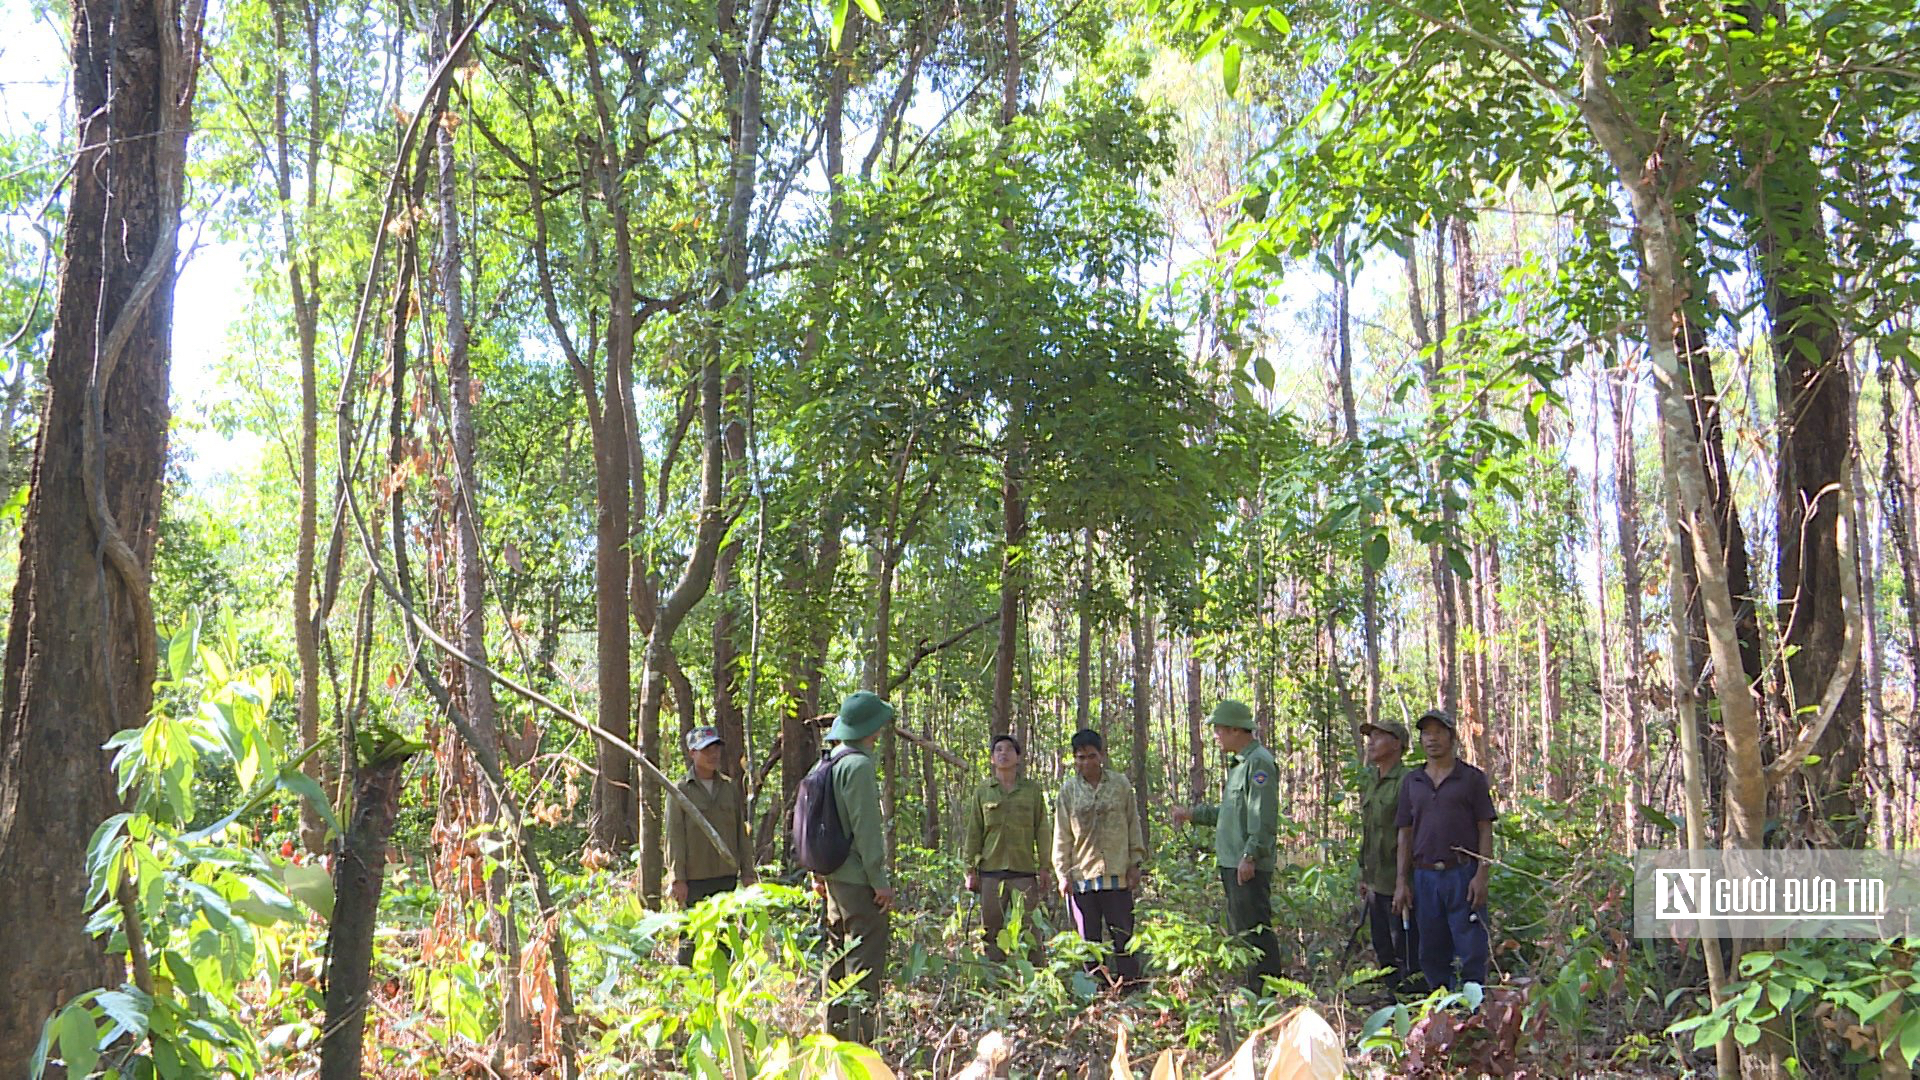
column 1449, row 929
column 1250, row 918
column 997, row 890
column 699, row 889
column 852, row 913
column 1396, row 946
column 1107, row 914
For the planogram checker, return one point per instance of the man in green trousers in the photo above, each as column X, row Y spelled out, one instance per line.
column 1243, row 841
column 860, row 893
column 1006, row 821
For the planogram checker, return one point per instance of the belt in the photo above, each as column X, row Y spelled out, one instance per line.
column 1444, row 864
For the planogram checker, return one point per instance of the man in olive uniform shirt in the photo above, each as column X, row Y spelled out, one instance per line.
column 1243, row 840
column 860, row 893
column 1005, row 820
column 1396, row 944
column 695, row 867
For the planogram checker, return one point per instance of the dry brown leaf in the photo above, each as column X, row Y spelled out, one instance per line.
column 1121, row 1068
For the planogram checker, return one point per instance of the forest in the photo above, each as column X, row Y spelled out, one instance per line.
column 417, row 419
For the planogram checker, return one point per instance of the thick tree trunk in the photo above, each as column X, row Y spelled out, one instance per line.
column 1083, row 675
column 359, row 875
column 80, row 650
column 1816, row 450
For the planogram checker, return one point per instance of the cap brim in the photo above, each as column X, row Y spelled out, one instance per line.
column 716, row 741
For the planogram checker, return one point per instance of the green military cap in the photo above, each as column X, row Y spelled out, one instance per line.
column 1392, row 727
column 1233, row 714
column 861, row 715
column 1438, row 716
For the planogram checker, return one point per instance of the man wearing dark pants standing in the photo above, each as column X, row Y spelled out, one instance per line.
column 1395, row 942
column 860, row 892
column 1006, row 825
column 1099, row 851
column 694, row 866
column 1445, row 820
column 1243, row 842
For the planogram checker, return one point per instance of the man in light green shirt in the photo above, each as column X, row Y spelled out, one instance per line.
column 860, row 892
column 1006, row 819
column 1099, row 852
column 1244, row 823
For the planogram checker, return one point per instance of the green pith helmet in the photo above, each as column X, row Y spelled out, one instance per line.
column 861, row 715
column 1233, row 714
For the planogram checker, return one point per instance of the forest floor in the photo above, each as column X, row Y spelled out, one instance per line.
column 1564, row 1003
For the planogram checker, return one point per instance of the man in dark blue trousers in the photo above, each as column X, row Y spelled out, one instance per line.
column 1445, row 821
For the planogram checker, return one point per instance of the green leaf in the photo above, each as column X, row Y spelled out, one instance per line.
column 1378, row 549
column 839, row 25
column 1746, row 1034
column 1910, row 1038
column 872, row 8
column 1263, row 370
column 78, row 1039
column 128, row 1008
column 1230, row 68
column 1878, row 1005
column 301, row 784
column 311, row 886
column 1458, row 560
column 1710, row 1032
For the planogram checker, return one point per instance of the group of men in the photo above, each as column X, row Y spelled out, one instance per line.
column 1426, row 838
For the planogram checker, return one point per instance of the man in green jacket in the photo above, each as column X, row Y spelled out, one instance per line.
column 860, row 893
column 1243, row 842
column 1006, row 818
column 1396, row 944
column 695, row 867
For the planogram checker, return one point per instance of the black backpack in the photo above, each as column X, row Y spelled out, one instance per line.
column 821, row 843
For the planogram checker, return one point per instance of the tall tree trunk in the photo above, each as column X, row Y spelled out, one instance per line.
column 303, row 288
column 1196, row 748
column 1815, row 398
column 476, row 687
column 80, row 651
column 1897, row 500
column 1369, row 577
column 1142, row 635
column 1013, row 504
column 1432, row 339
column 1626, row 500
column 1083, row 684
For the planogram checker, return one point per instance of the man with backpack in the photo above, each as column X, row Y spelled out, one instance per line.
column 839, row 835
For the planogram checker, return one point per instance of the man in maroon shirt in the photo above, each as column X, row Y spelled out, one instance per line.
column 1445, row 821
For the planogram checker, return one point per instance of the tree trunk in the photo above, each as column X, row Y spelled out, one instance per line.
column 1369, row 577
column 1196, row 748
column 80, row 649
column 1815, row 399
column 476, row 688
column 359, row 875
column 1013, row 508
column 303, row 292
column 1142, row 635
column 1432, row 339
column 1083, row 685
column 1626, row 500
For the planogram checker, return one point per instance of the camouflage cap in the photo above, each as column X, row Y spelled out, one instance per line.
column 1392, row 727
column 702, row 737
